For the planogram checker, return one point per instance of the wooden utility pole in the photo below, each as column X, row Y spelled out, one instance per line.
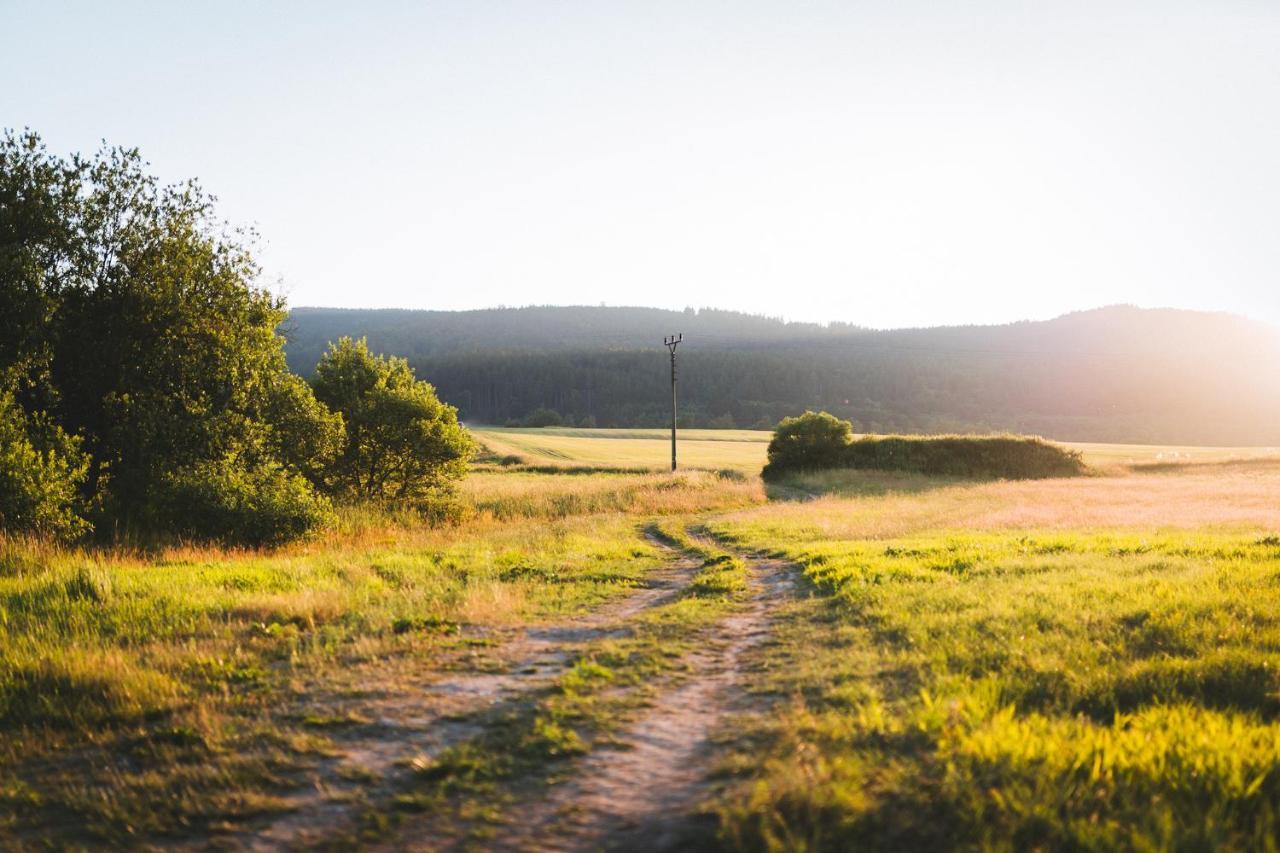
column 671, row 343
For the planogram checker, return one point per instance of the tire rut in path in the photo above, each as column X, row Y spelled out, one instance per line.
column 644, row 794
column 425, row 721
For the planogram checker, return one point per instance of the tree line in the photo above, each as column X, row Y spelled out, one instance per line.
column 144, row 389
column 1119, row 374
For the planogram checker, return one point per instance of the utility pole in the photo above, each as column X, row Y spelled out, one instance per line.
column 671, row 343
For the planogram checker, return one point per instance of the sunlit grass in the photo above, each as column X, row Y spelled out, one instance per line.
column 203, row 650
column 744, row 450
column 984, row 667
column 739, row 450
column 971, row 653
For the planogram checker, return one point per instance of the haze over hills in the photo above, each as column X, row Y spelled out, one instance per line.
column 1118, row 374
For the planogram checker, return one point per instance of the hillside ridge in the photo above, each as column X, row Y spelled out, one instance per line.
column 1117, row 373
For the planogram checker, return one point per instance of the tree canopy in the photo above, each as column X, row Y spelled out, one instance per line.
column 143, row 382
column 402, row 443
column 810, row 442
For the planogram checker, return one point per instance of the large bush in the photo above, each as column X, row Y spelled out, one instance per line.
column 41, row 469
column 543, row 417
column 228, row 502
column 810, row 442
column 818, row 441
column 133, row 320
column 402, row 444
column 1010, row 457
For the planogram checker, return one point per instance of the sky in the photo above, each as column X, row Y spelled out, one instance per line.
column 881, row 163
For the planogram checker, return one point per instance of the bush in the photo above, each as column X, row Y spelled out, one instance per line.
column 264, row 504
column 1009, row 457
column 811, row 442
column 402, row 444
column 41, row 469
column 818, row 441
column 544, row 418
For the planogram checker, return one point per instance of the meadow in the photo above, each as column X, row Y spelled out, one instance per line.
column 864, row 659
column 744, row 450
column 1074, row 664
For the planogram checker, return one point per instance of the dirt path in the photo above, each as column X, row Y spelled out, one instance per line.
column 643, row 795
column 420, row 716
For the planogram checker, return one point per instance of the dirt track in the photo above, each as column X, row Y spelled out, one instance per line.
column 417, row 720
column 645, row 792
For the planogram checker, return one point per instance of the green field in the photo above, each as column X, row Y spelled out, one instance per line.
column 649, row 449
column 605, row 654
column 743, row 449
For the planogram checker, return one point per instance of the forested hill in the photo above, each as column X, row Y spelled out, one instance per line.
column 1114, row 374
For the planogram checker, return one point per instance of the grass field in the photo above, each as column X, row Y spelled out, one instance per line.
column 649, row 449
column 872, row 660
column 744, row 450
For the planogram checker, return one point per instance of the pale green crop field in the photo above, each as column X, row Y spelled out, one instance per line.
column 744, row 450
column 1142, row 454
column 650, row 449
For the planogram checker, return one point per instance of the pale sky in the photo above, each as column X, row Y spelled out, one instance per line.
column 887, row 164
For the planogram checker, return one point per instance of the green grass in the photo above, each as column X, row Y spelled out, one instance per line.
column 105, row 655
column 735, row 450
column 744, row 450
column 1063, row 690
column 528, row 741
column 1085, row 663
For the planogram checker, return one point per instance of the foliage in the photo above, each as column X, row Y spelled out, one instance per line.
column 305, row 435
column 820, row 441
column 225, row 501
column 41, row 468
column 133, row 320
column 543, row 417
column 811, row 442
column 1009, row 457
column 402, row 444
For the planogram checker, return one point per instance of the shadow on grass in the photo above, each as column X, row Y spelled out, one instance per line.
column 857, row 483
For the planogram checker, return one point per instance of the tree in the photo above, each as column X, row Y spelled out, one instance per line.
column 809, row 442
column 133, row 320
column 402, row 444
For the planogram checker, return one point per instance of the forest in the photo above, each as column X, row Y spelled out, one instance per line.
column 1117, row 374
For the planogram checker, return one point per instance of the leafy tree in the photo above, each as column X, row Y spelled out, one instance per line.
column 402, row 444
column 304, row 433
column 809, row 442
column 133, row 320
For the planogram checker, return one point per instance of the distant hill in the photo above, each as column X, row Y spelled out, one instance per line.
column 1119, row 374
